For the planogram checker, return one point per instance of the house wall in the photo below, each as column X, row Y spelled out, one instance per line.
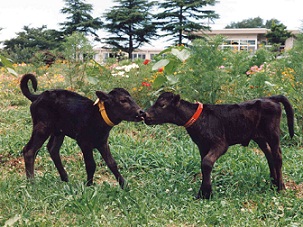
column 102, row 54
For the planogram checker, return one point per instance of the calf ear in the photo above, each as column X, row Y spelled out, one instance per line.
column 176, row 100
column 102, row 96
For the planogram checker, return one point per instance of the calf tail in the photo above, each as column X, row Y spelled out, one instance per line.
column 24, row 86
column 289, row 112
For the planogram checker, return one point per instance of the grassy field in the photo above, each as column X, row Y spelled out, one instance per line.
column 162, row 167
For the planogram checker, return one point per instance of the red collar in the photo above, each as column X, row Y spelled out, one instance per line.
column 195, row 117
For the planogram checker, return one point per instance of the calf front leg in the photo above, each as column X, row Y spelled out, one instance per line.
column 207, row 163
column 111, row 163
column 90, row 164
column 53, row 147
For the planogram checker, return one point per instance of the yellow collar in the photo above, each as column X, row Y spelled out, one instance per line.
column 103, row 113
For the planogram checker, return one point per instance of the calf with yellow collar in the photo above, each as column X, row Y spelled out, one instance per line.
column 59, row 113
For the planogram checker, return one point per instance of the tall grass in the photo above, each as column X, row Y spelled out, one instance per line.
column 161, row 166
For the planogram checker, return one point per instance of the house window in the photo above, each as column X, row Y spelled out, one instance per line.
column 138, row 56
column 240, row 45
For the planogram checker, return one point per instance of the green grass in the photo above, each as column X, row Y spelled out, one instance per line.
column 160, row 165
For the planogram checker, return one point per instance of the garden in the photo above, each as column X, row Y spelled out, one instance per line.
column 160, row 163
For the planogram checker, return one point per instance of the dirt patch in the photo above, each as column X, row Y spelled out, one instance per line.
column 297, row 188
column 15, row 164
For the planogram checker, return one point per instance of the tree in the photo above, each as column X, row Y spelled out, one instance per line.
column 78, row 50
column 182, row 18
column 270, row 22
column 80, row 18
column 131, row 24
column 278, row 34
column 31, row 40
column 256, row 22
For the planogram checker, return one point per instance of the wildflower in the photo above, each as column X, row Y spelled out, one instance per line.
column 127, row 68
column 146, row 84
column 222, row 67
column 146, row 61
column 254, row 69
column 113, row 66
column 161, row 69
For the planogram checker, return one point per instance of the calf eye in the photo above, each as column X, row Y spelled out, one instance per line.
column 123, row 101
column 162, row 105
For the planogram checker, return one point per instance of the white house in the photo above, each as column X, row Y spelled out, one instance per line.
column 249, row 39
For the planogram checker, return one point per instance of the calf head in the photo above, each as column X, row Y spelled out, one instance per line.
column 164, row 110
column 120, row 105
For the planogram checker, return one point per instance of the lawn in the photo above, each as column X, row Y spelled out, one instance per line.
column 161, row 166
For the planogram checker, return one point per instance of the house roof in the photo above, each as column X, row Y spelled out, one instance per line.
column 244, row 31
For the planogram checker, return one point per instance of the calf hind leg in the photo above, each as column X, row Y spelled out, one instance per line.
column 270, row 159
column 53, row 147
column 277, row 159
column 39, row 136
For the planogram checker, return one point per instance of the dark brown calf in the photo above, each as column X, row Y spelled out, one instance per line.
column 220, row 126
column 60, row 113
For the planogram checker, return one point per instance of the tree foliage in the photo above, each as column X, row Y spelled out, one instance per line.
column 79, row 18
column 131, row 25
column 278, row 34
column 182, row 18
column 31, row 40
column 77, row 48
column 256, row 22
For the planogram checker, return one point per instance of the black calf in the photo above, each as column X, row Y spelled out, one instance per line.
column 216, row 127
column 60, row 113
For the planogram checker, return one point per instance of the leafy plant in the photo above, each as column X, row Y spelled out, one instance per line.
column 7, row 65
column 78, row 52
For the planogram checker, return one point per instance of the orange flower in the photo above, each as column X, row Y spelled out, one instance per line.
column 146, row 61
column 146, row 84
column 161, row 69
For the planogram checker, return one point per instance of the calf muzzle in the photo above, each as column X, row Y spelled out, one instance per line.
column 140, row 115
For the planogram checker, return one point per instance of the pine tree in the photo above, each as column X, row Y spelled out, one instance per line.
column 278, row 34
column 182, row 18
column 131, row 25
column 80, row 18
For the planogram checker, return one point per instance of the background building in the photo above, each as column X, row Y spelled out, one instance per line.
column 102, row 54
column 249, row 39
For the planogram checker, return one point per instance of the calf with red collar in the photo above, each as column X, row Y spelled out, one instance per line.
column 216, row 127
column 59, row 113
